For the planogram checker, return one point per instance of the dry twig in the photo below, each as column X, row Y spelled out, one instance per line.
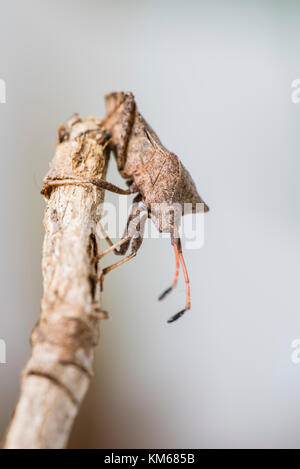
column 58, row 373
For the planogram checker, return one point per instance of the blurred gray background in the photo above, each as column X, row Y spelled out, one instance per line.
column 214, row 79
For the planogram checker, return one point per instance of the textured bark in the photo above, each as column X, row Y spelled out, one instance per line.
column 59, row 371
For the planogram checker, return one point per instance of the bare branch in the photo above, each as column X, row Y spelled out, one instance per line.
column 59, row 371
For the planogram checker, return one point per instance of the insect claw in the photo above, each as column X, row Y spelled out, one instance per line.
column 177, row 315
column 165, row 293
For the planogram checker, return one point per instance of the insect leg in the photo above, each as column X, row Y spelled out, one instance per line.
column 105, row 235
column 124, row 243
column 114, row 266
column 134, row 212
column 135, row 235
column 94, row 180
column 113, row 247
column 187, row 282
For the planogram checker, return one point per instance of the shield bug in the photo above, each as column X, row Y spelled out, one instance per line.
column 159, row 178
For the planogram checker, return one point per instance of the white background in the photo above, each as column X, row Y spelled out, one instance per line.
column 214, row 80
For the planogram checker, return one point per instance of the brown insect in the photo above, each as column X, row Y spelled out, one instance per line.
column 158, row 177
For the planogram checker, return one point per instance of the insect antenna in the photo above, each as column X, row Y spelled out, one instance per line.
column 187, row 282
column 169, row 289
column 177, row 316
